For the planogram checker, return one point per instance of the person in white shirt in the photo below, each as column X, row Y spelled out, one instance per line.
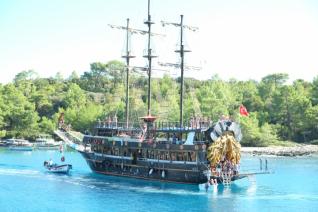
column 50, row 162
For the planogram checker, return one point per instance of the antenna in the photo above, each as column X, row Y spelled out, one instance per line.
column 181, row 51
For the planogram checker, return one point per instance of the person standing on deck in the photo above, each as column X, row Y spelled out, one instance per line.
column 115, row 121
column 109, row 121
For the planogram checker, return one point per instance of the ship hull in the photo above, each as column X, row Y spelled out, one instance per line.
column 188, row 173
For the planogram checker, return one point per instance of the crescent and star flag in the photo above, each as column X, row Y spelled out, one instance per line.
column 243, row 111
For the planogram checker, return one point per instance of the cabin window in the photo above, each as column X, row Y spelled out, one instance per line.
column 173, row 156
column 129, row 153
column 156, row 156
column 125, row 152
column 94, row 148
column 116, row 152
column 151, row 155
column 193, row 156
column 162, row 156
column 185, row 156
column 179, row 156
column 140, row 153
column 146, row 153
column 167, row 156
column 190, row 157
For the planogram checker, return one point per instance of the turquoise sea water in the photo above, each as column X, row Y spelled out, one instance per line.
column 25, row 186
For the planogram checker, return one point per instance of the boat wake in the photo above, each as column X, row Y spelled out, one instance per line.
column 106, row 184
column 21, row 172
column 96, row 183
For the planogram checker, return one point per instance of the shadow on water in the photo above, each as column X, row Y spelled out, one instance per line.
column 103, row 182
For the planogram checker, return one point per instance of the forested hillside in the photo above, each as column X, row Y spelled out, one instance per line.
column 278, row 111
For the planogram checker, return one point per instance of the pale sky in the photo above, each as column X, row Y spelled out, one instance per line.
column 242, row 39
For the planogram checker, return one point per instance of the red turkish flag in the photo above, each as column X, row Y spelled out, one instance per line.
column 243, row 111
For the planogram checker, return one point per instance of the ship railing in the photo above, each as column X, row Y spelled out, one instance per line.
column 117, row 125
column 188, row 125
column 164, row 125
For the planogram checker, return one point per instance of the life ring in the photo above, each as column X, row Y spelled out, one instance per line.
column 163, row 174
column 150, row 171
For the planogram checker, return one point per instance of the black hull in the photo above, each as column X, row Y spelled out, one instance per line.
column 147, row 170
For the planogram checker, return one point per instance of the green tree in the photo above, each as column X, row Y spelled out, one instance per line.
column 25, row 75
column 20, row 117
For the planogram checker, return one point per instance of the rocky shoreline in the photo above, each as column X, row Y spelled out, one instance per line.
column 282, row 151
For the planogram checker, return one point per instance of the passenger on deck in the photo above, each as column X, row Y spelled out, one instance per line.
column 214, row 171
column 143, row 132
column 228, row 166
column 209, row 121
column 235, row 169
column 50, row 162
column 192, row 122
column 174, row 138
column 109, row 121
column 115, row 121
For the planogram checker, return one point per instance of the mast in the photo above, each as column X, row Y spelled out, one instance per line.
column 181, row 51
column 127, row 56
column 149, row 56
column 182, row 69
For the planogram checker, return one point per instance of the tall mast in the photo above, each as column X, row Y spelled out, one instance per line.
column 182, row 50
column 182, row 69
column 127, row 56
column 149, row 56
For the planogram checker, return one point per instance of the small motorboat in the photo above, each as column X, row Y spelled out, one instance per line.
column 56, row 168
column 47, row 143
column 19, row 144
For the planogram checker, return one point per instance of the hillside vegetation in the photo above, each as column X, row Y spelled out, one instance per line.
column 278, row 111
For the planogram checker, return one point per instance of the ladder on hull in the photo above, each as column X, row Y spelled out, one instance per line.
column 226, row 178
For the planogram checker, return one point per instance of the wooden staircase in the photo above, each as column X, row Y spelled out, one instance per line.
column 72, row 139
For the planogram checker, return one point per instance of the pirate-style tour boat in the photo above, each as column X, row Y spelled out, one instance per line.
column 195, row 152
